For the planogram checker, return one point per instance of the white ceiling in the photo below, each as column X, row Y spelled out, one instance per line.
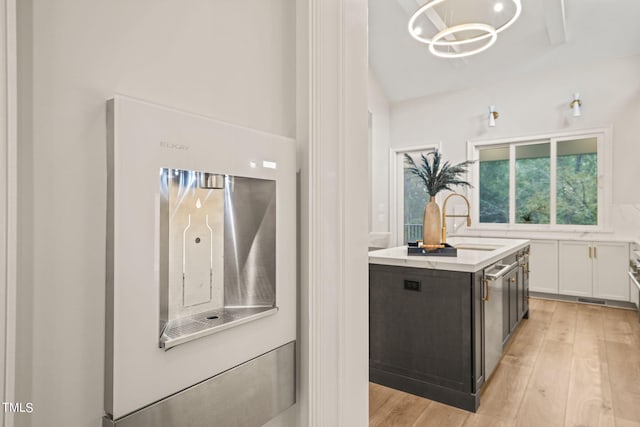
column 592, row 31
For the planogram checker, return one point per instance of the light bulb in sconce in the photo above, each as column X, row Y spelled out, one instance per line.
column 576, row 104
column 493, row 115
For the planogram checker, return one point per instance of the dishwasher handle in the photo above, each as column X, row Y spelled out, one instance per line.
column 504, row 270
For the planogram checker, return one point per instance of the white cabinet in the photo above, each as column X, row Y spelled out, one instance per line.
column 634, row 291
column 610, row 265
column 634, row 277
column 575, row 268
column 594, row 269
column 543, row 266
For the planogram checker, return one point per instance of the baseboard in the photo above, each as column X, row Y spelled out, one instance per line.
column 583, row 300
column 459, row 399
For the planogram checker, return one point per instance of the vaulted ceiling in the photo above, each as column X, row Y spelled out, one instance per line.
column 548, row 34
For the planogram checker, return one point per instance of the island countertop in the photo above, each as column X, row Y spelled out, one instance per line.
column 474, row 254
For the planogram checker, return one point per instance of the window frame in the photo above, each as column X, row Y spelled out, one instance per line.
column 603, row 136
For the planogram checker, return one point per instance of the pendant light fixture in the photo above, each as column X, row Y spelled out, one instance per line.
column 445, row 36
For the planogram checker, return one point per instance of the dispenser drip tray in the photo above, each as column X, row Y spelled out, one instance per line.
column 185, row 329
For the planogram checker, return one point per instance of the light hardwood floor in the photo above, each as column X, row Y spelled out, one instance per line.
column 567, row 365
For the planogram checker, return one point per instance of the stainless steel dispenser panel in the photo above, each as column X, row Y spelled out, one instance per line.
column 249, row 242
column 248, row 395
column 197, row 261
column 217, row 238
column 191, row 244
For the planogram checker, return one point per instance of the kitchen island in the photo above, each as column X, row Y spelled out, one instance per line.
column 427, row 316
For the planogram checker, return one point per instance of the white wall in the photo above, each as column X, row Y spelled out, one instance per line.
column 380, row 140
column 231, row 60
column 535, row 104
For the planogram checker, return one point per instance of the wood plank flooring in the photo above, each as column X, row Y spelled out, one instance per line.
column 567, row 365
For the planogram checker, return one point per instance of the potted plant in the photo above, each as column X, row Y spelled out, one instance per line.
column 437, row 176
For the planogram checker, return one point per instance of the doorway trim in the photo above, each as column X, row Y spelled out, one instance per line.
column 8, row 203
column 334, row 226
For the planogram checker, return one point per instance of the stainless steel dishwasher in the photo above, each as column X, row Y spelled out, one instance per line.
column 493, row 293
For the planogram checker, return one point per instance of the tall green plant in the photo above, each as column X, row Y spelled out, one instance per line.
column 438, row 176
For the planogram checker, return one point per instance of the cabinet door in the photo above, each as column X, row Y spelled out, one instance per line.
column 611, row 263
column 575, row 268
column 525, row 287
column 543, row 266
column 420, row 325
column 521, row 270
column 634, row 291
column 634, row 282
column 512, row 280
column 506, row 329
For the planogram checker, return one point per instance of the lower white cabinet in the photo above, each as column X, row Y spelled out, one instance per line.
column 611, row 263
column 634, row 282
column 635, row 293
column 575, row 268
column 543, row 266
column 594, row 269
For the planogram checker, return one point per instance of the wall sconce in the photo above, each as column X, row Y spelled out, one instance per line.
column 576, row 104
column 493, row 115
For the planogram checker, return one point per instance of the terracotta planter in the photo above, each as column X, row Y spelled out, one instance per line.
column 432, row 223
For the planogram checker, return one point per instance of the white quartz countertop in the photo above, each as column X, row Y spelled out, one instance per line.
column 474, row 254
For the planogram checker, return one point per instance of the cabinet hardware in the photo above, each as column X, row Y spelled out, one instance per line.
column 590, row 252
column 595, row 252
column 486, row 290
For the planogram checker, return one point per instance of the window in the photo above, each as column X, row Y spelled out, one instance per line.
column 550, row 182
column 494, row 185
column 533, row 172
column 410, row 196
column 577, row 182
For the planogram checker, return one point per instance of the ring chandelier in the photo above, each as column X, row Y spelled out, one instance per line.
column 488, row 32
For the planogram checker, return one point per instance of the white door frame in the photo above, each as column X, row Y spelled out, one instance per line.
column 8, row 203
column 334, row 203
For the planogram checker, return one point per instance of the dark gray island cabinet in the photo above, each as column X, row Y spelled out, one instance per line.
column 425, row 333
column 426, row 324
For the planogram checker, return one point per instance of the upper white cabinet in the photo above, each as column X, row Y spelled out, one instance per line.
column 594, row 269
column 543, row 266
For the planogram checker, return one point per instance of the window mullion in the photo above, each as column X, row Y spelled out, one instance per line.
column 552, row 181
column 512, row 183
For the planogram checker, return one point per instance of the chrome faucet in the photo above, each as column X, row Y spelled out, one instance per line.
column 445, row 216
